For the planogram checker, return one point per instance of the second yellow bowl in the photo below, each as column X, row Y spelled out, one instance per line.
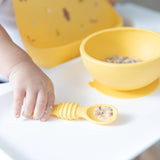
column 52, row 30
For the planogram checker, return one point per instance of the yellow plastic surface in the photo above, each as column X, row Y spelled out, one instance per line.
column 125, row 94
column 140, row 43
column 52, row 30
column 72, row 111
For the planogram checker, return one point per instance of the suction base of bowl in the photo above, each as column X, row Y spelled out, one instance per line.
column 125, row 94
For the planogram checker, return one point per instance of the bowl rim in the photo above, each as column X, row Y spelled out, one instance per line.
column 83, row 43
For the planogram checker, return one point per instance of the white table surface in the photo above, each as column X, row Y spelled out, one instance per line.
column 136, row 128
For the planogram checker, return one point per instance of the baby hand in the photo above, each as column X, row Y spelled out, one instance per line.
column 29, row 82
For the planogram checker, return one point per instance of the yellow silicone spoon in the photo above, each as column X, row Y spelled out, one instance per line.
column 100, row 114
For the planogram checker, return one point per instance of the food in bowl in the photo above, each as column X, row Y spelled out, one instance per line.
column 121, row 59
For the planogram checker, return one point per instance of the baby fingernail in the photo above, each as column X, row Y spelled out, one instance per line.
column 26, row 115
column 36, row 116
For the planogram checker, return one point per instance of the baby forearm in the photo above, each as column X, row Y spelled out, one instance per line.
column 27, row 81
column 10, row 54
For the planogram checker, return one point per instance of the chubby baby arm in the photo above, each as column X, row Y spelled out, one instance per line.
column 27, row 80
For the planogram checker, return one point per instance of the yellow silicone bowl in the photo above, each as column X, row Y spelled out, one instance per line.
column 51, row 30
column 140, row 43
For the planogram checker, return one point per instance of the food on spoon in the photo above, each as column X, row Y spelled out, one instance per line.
column 103, row 113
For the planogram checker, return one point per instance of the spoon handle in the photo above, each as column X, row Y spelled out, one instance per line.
column 68, row 111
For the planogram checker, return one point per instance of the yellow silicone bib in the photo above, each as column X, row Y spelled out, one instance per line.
column 52, row 30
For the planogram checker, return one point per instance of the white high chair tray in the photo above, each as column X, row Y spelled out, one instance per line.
column 136, row 128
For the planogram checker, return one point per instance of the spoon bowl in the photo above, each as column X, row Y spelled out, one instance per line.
column 91, row 116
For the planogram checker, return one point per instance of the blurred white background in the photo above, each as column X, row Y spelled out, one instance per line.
column 152, row 4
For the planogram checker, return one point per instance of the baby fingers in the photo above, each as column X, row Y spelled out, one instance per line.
column 30, row 102
column 18, row 101
column 41, row 104
column 51, row 99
